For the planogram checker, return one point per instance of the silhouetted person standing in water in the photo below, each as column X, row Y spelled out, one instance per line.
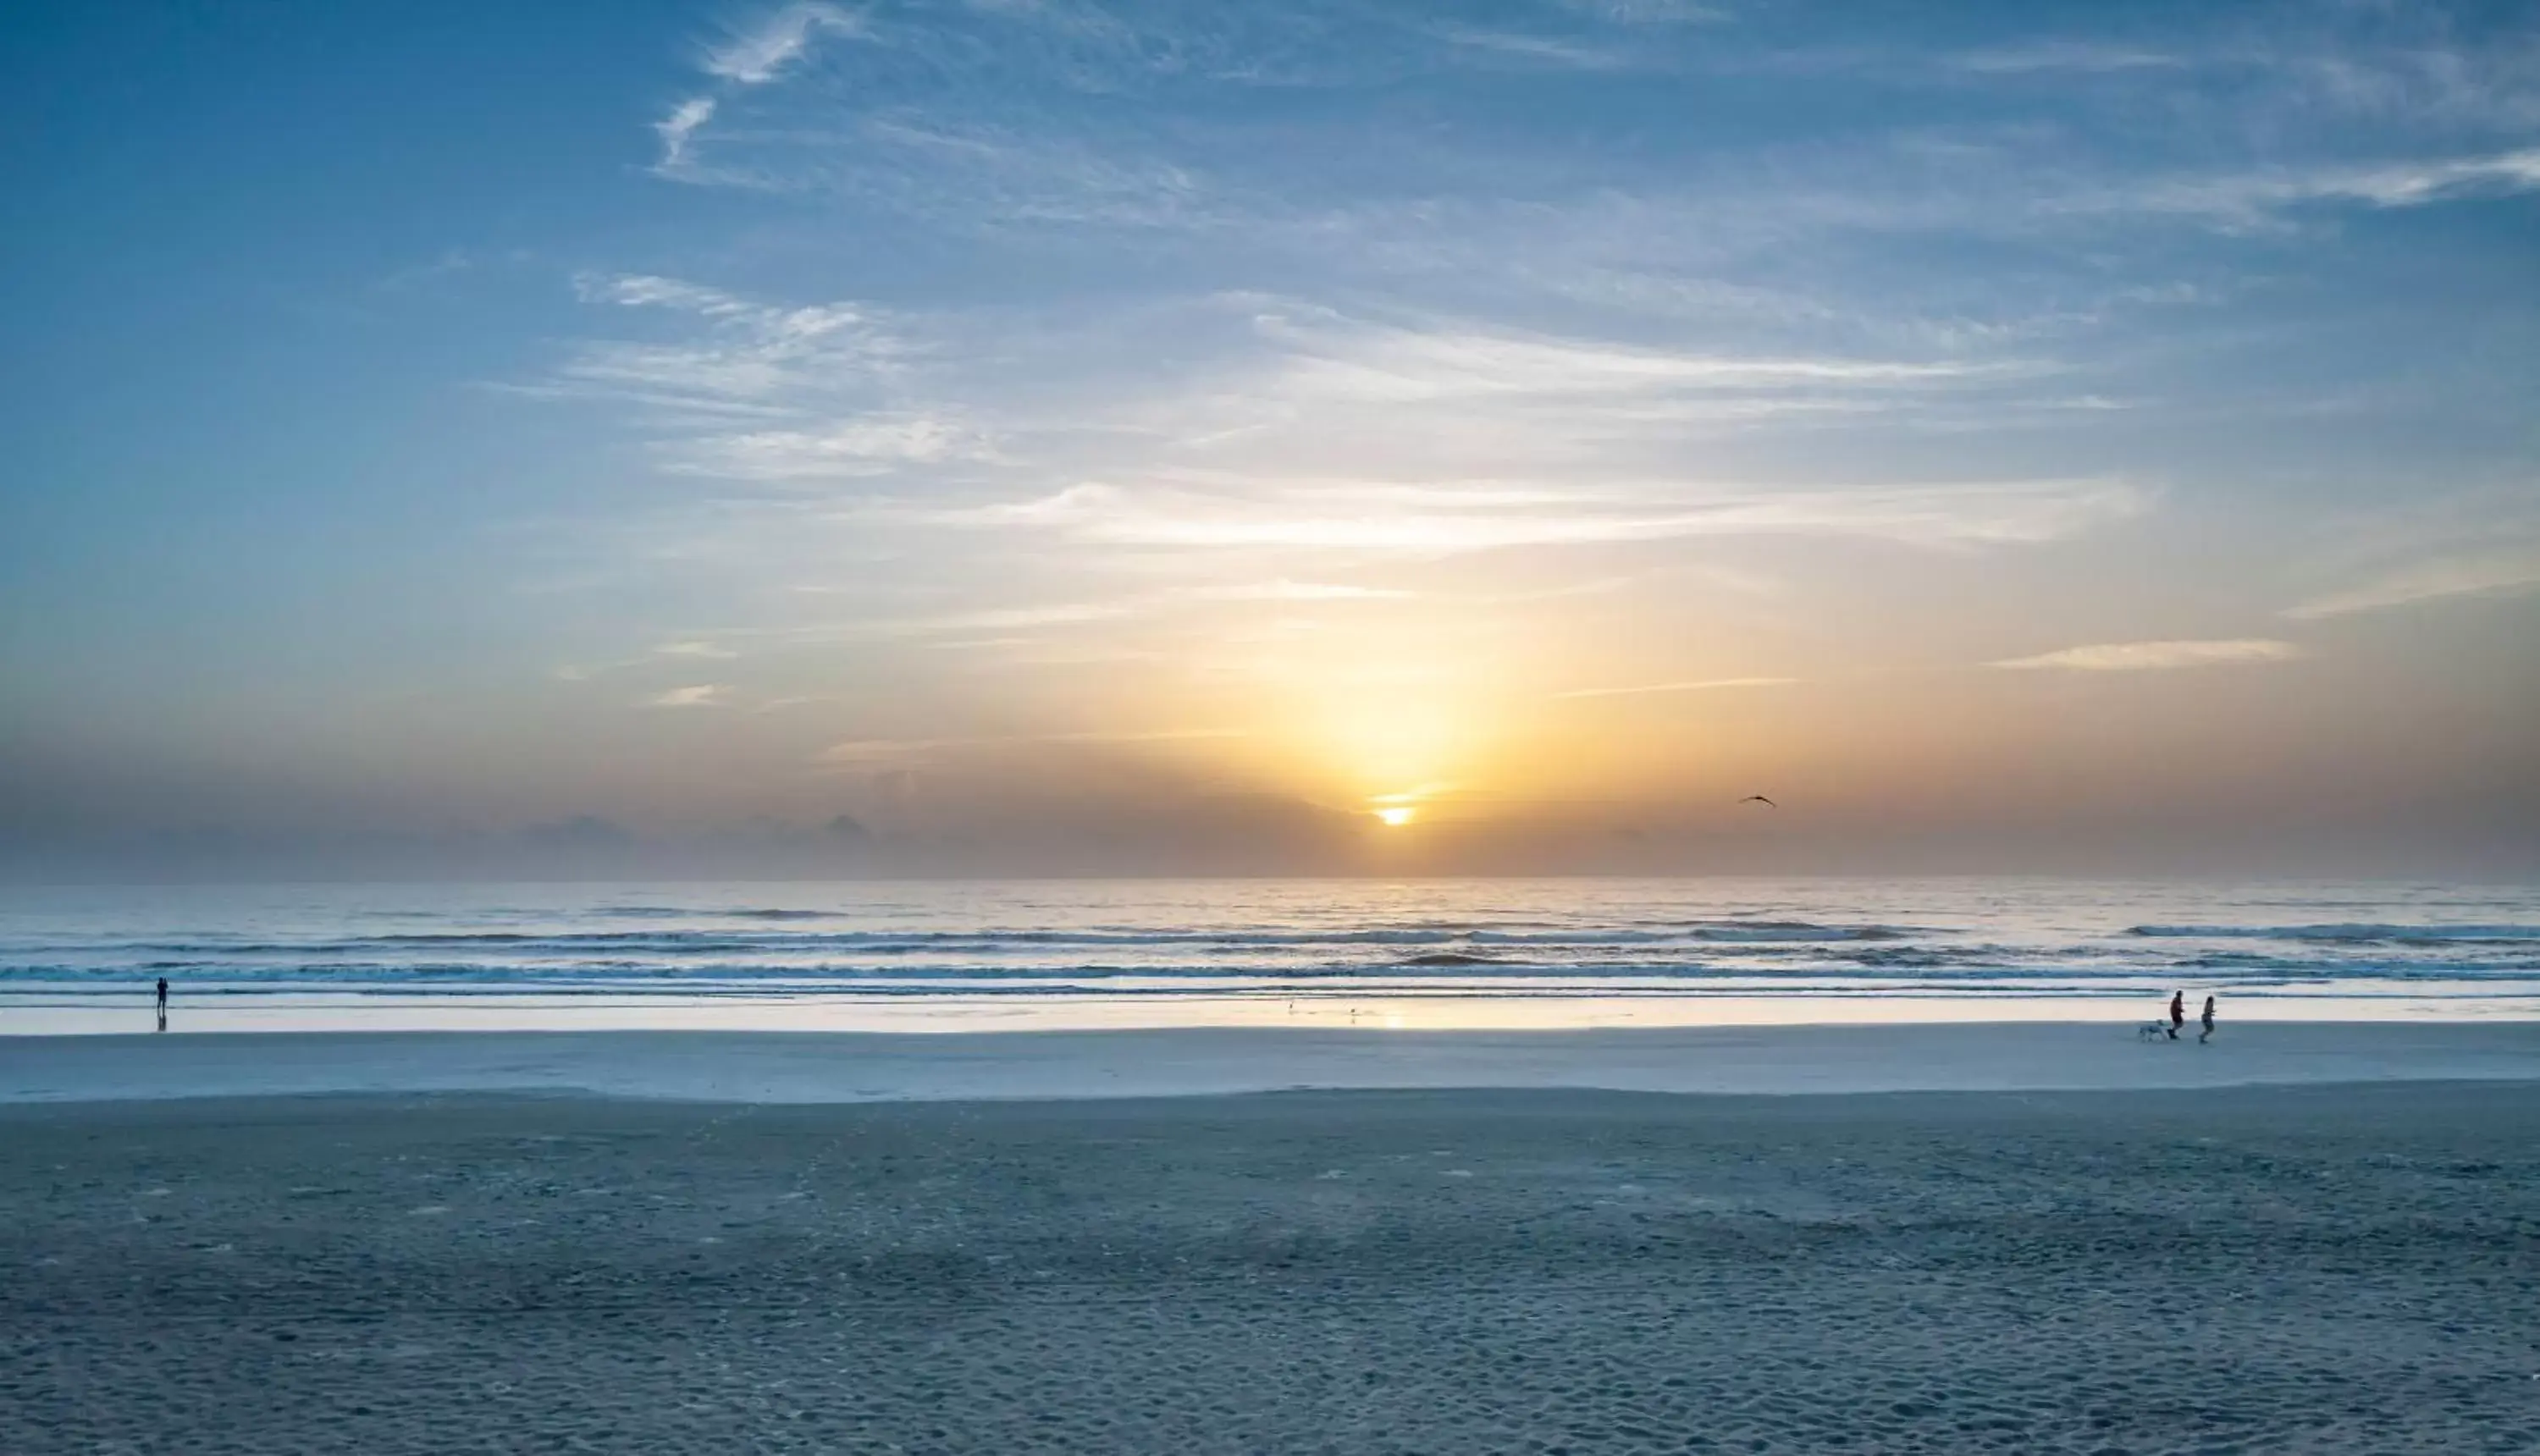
column 2209, row 1020
column 2177, row 1012
column 162, row 1003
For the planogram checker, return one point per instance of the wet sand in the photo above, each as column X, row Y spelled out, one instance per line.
column 2317, row 1269
column 858, row 1067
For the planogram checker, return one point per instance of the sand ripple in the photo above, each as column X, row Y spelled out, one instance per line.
column 2287, row 1271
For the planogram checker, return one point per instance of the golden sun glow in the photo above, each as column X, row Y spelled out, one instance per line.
column 1395, row 819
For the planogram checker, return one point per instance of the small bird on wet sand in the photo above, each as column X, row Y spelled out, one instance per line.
column 1759, row 798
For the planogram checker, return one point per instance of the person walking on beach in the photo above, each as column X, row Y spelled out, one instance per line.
column 162, row 1003
column 2209, row 1022
column 2177, row 1012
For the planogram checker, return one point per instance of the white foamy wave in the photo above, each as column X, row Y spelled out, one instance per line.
column 1479, row 939
column 2352, row 931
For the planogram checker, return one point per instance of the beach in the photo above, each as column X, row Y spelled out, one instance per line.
column 2290, row 1267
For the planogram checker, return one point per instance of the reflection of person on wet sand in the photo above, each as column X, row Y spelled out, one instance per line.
column 162, row 1003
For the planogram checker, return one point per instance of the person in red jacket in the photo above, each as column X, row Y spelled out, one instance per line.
column 2177, row 1012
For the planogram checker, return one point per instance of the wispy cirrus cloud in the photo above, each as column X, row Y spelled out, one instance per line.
column 971, row 170
column 861, row 752
column 754, row 55
column 968, row 110
column 1395, row 364
column 701, row 695
column 871, row 443
column 2066, row 55
column 754, row 391
column 748, row 56
column 690, row 648
column 1012, row 626
column 1988, row 513
column 678, row 127
column 1652, row 11
column 1286, row 590
column 1441, row 402
column 2474, row 540
column 2250, row 196
column 2509, row 573
column 1705, row 685
column 1519, row 45
column 2156, row 656
column 1440, row 350
column 751, row 390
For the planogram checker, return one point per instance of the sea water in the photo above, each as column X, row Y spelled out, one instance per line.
column 1473, row 952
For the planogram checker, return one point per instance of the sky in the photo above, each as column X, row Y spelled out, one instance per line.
column 1016, row 437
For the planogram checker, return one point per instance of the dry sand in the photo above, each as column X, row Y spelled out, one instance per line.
column 2288, row 1268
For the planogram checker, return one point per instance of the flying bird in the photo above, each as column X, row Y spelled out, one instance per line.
column 1759, row 798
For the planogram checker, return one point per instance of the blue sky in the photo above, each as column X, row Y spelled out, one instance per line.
column 2093, row 435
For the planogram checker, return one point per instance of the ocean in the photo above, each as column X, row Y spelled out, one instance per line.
column 1419, row 953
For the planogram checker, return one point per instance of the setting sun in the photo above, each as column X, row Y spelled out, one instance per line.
column 1395, row 819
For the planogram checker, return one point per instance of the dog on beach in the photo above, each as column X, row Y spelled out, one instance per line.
column 2151, row 1031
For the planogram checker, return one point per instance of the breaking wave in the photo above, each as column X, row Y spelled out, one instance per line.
column 1481, row 938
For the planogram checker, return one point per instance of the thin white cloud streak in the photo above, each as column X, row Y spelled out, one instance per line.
column 841, row 390
column 1019, row 619
column 1284, row 589
column 2156, row 656
column 642, row 290
column 1000, row 619
column 2417, row 183
column 2289, row 76
column 756, row 56
column 1652, row 11
column 2440, row 82
column 1708, row 685
column 969, row 87
column 941, row 126
column 952, row 168
column 1303, row 390
column 774, row 323
column 2251, row 197
column 704, row 695
column 860, row 752
column 680, row 128
column 748, row 58
column 1446, row 398
column 2512, row 574
column 1008, row 619
column 1392, row 365
column 2089, row 57
column 2017, row 191
column 1550, row 51
column 879, row 443
column 689, row 647
column 753, row 361
column 1074, row 613
column 1948, row 515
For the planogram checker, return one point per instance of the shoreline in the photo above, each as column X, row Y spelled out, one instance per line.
column 815, row 1067
column 31, row 1012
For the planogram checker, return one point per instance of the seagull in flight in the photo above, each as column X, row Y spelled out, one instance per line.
column 1759, row 798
